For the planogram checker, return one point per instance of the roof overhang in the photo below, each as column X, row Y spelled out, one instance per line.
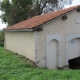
column 18, row 30
column 38, row 28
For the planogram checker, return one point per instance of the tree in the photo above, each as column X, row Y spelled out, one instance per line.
column 19, row 10
column 45, row 6
column 5, row 8
column 14, row 11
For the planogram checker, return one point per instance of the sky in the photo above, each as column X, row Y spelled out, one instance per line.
column 75, row 2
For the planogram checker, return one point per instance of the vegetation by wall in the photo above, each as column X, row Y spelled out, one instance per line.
column 1, row 38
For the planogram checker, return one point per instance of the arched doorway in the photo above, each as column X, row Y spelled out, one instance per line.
column 73, row 50
column 52, row 59
column 72, row 46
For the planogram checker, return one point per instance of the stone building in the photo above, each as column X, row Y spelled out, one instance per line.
column 49, row 40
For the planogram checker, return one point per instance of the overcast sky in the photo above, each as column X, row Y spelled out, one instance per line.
column 75, row 2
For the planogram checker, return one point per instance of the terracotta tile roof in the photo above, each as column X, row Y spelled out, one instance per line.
column 39, row 20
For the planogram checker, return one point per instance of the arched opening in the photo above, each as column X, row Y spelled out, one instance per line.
column 73, row 48
column 52, row 55
column 73, row 53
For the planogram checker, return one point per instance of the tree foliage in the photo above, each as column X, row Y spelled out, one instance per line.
column 45, row 6
column 15, row 11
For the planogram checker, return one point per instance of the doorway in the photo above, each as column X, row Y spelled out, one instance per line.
column 52, row 59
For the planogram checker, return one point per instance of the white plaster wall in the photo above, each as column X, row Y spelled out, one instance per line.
column 21, row 42
column 54, row 27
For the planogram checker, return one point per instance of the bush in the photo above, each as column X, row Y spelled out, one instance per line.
column 1, row 39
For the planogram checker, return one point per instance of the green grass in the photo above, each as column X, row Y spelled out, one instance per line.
column 15, row 67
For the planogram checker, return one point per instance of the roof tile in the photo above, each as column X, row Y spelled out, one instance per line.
column 38, row 20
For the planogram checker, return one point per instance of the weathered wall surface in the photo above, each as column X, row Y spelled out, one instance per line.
column 54, row 27
column 21, row 42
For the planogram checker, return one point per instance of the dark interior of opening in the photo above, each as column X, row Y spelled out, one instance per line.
column 74, row 63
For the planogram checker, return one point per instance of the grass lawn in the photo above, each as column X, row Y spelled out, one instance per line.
column 14, row 67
